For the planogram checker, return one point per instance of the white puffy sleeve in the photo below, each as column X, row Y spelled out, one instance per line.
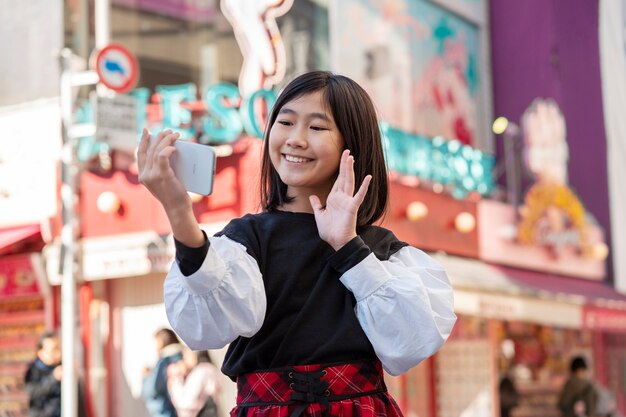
column 404, row 304
column 221, row 301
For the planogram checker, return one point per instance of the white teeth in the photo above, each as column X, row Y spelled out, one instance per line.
column 297, row 159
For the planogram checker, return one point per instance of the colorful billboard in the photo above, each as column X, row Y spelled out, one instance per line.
column 418, row 60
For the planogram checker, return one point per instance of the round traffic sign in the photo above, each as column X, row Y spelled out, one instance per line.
column 117, row 68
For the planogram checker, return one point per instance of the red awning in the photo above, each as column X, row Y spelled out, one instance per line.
column 604, row 310
column 600, row 306
column 594, row 292
column 20, row 239
column 21, row 275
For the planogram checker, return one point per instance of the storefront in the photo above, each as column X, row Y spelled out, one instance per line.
column 527, row 323
column 25, row 311
column 520, row 324
column 204, row 73
column 533, row 324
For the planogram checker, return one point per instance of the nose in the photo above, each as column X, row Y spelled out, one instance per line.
column 296, row 138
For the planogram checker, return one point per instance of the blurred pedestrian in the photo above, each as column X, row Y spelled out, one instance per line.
column 194, row 384
column 154, row 387
column 578, row 396
column 509, row 396
column 43, row 378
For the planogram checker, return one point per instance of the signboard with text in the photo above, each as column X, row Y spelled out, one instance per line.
column 116, row 123
column 604, row 319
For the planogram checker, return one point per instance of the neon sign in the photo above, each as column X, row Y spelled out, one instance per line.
column 448, row 162
column 220, row 117
column 223, row 116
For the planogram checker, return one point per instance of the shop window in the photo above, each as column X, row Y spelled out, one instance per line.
column 537, row 357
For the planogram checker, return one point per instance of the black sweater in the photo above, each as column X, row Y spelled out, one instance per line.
column 310, row 314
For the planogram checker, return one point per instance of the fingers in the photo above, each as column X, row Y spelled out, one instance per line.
column 154, row 152
column 153, row 141
column 349, row 179
column 143, row 147
column 163, row 141
column 145, row 140
column 338, row 186
column 316, row 204
column 360, row 195
column 163, row 157
column 345, row 179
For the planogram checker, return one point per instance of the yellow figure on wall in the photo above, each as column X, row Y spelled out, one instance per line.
column 552, row 215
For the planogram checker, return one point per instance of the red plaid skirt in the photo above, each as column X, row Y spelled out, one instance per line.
column 355, row 389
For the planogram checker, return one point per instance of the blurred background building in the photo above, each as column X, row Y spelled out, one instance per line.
column 504, row 136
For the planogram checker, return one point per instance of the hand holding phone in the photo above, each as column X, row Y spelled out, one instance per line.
column 194, row 165
column 168, row 168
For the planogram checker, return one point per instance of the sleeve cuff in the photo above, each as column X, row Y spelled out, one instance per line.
column 191, row 259
column 351, row 254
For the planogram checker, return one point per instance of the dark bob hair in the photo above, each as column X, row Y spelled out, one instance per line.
column 166, row 337
column 356, row 119
column 50, row 334
column 577, row 363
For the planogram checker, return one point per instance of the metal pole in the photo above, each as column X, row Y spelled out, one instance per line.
column 102, row 15
column 103, row 23
column 69, row 174
column 82, row 29
column 69, row 233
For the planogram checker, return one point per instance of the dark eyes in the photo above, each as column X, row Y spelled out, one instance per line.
column 288, row 123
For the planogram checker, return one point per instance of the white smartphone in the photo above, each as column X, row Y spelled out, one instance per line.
column 194, row 165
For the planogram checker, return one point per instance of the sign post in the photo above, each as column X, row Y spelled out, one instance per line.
column 117, row 68
column 69, row 231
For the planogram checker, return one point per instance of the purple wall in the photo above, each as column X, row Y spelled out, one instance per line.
column 549, row 48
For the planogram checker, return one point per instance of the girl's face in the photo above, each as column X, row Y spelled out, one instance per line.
column 305, row 148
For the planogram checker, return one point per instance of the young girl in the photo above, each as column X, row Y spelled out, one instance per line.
column 313, row 298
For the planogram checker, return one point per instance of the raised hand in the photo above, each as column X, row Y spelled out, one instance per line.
column 336, row 222
column 157, row 175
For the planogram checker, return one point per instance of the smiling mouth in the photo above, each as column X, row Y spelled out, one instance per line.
column 296, row 159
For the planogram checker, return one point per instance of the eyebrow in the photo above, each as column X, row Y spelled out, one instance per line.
column 313, row 115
